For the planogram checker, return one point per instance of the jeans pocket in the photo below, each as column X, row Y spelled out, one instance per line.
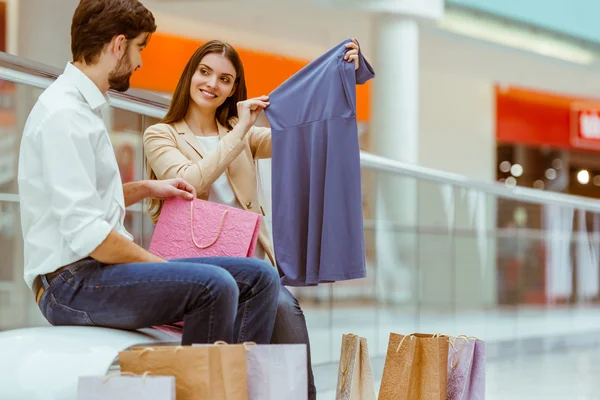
column 59, row 314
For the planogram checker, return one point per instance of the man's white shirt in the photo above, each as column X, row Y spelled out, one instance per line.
column 70, row 189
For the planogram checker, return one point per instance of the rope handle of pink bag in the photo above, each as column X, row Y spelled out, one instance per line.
column 192, row 228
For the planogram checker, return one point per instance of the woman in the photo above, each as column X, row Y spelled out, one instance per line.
column 208, row 138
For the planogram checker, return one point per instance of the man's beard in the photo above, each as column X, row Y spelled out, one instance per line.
column 119, row 78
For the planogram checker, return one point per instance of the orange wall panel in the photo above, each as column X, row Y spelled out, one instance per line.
column 166, row 56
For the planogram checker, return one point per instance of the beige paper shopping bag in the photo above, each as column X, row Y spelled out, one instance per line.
column 415, row 368
column 355, row 377
column 201, row 373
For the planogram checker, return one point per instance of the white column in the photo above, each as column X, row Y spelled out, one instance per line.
column 395, row 135
column 43, row 30
column 395, row 105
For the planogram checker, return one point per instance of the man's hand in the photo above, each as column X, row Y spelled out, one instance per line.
column 170, row 188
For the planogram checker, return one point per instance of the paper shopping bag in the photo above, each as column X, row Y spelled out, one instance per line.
column 198, row 228
column 277, row 372
column 415, row 368
column 466, row 369
column 355, row 376
column 201, row 373
column 126, row 388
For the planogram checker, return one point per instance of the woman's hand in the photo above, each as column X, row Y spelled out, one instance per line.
column 249, row 110
column 352, row 53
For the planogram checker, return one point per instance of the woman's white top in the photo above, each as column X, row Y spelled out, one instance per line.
column 221, row 191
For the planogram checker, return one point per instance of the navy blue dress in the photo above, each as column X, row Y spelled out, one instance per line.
column 318, row 230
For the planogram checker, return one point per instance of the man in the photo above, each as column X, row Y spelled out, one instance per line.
column 80, row 261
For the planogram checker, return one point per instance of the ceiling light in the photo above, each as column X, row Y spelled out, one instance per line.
column 551, row 174
column 557, row 163
column 539, row 184
column 583, row 177
column 516, row 170
column 505, row 166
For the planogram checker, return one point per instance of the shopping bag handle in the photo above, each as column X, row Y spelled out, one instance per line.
column 344, row 368
column 465, row 339
column 151, row 349
column 192, row 228
column 247, row 345
column 468, row 337
column 402, row 341
column 122, row 373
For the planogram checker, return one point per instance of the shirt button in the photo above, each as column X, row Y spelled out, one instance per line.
column 249, row 204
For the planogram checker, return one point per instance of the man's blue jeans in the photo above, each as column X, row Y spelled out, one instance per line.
column 218, row 298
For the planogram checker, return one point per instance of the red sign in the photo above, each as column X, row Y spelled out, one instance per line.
column 585, row 126
column 535, row 118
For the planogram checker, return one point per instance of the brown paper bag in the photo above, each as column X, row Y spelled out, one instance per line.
column 355, row 376
column 206, row 372
column 415, row 368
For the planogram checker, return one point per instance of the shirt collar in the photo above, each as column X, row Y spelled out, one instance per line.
column 86, row 87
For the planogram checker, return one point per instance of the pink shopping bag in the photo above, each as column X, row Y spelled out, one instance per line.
column 201, row 228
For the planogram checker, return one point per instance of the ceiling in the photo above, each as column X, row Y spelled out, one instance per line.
column 304, row 30
column 287, row 27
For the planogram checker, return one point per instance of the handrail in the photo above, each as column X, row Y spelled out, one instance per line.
column 38, row 70
column 17, row 70
column 523, row 194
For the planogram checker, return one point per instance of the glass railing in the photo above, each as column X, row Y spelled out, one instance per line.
column 445, row 254
column 519, row 268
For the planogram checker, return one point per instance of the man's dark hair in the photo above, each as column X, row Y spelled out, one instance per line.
column 97, row 22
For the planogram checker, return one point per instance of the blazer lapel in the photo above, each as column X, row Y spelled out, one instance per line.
column 183, row 129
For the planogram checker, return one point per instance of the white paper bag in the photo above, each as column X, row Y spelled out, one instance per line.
column 277, row 372
column 126, row 388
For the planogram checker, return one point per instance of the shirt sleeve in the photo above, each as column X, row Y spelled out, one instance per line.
column 259, row 139
column 69, row 161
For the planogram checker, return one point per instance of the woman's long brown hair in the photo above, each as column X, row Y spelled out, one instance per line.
column 180, row 102
column 181, row 98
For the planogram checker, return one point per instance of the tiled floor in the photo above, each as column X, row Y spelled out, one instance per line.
column 571, row 375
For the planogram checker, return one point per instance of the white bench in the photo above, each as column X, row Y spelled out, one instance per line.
column 46, row 362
